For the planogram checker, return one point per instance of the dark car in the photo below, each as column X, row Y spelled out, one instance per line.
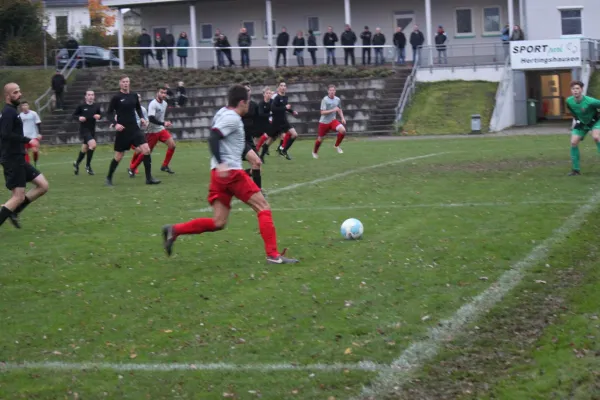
column 88, row 56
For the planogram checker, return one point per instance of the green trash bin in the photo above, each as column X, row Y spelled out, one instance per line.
column 532, row 107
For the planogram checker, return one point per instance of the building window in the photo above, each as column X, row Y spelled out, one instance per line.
column 313, row 24
column 464, row 21
column 571, row 22
column 206, row 31
column 274, row 28
column 491, row 20
column 62, row 26
column 249, row 25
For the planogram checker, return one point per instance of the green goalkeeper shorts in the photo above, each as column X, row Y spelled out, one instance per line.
column 581, row 132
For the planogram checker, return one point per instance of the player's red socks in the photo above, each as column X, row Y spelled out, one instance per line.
column 262, row 140
column 286, row 139
column 168, row 157
column 340, row 137
column 317, row 145
column 195, row 227
column 267, row 231
column 136, row 161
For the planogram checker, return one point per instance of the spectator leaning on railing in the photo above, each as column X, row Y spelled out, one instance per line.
column 348, row 39
column 517, row 34
column 329, row 40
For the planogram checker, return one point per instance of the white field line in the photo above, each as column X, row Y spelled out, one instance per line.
column 409, row 206
column 418, row 353
column 337, row 176
column 192, row 366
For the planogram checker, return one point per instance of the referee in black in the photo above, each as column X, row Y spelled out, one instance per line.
column 249, row 121
column 87, row 114
column 124, row 106
column 17, row 172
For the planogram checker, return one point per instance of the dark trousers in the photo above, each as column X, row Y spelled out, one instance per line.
column 170, row 62
column 366, row 56
column 313, row 56
column 60, row 99
column 245, row 55
column 281, row 52
column 349, row 53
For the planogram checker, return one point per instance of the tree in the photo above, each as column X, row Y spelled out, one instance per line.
column 101, row 17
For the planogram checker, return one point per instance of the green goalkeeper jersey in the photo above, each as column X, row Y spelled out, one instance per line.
column 586, row 111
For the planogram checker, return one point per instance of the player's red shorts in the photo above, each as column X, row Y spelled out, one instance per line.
column 154, row 138
column 325, row 128
column 237, row 184
column 30, row 146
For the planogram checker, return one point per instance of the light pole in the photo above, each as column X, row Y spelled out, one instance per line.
column 45, row 50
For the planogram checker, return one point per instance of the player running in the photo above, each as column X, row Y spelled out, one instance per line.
column 251, row 132
column 584, row 110
column 330, row 106
column 17, row 172
column 157, row 132
column 32, row 125
column 263, row 121
column 281, row 125
column 125, row 105
column 228, row 179
column 87, row 114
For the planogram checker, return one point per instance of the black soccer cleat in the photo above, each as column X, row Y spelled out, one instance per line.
column 266, row 150
column 75, row 168
column 574, row 172
column 286, row 155
column 109, row 182
column 14, row 219
column 89, row 170
column 168, row 239
column 280, row 151
column 152, row 181
column 131, row 173
column 167, row 170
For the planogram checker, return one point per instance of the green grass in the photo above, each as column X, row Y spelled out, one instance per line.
column 446, row 107
column 33, row 82
column 86, row 279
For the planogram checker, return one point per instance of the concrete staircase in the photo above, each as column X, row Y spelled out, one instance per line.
column 369, row 107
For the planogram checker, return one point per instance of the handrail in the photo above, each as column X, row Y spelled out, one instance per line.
column 407, row 91
column 47, row 96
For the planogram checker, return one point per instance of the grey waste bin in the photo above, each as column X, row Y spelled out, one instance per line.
column 532, row 106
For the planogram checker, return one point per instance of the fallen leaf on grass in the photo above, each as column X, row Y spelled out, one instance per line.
column 540, row 281
column 167, row 331
column 425, row 318
column 229, row 395
column 57, row 353
column 295, row 391
column 132, row 355
column 348, row 351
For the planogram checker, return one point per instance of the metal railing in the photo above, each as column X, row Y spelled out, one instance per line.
column 43, row 102
column 464, row 55
column 408, row 91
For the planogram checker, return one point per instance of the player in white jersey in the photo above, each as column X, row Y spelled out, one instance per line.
column 156, row 132
column 330, row 107
column 228, row 179
column 31, row 129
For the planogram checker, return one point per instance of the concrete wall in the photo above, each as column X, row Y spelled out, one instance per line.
column 484, row 73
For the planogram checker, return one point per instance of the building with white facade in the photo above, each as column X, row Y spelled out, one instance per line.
column 67, row 17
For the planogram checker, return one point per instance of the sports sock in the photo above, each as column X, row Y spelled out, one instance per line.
column 267, row 231
column 36, row 156
column 90, row 154
column 264, row 150
column 257, row 178
column 27, row 159
column 289, row 143
column 4, row 214
column 80, row 157
column 136, row 161
column 317, row 145
column 113, row 167
column 23, row 205
column 575, row 157
column 262, row 140
column 281, row 141
column 286, row 139
column 148, row 166
column 195, row 227
column 340, row 137
column 168, row 157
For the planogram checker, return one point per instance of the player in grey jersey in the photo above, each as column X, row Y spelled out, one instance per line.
column 228, row 178
column 331, row 106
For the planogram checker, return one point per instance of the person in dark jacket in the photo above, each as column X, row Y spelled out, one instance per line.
column 440, row 44
column 378, row 42
column 348, row 39
column 218, row 50
column 366, row 37
column 169, row 41
column 181, row 95
column 225, row 47
column 182, row 49
column 416, row 41
column 58, row 85
column 158, row 43
column 400, row 45
column 312, row 46
column 145, row 41
column 283, row 40
column 329, row 41
column 244, row 40
column 71, row 45
column 299, row 44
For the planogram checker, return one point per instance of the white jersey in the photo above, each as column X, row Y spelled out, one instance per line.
column 329, row 104
column 157, row 110
column 137, row 117
column 230, row 126
column 30, row 121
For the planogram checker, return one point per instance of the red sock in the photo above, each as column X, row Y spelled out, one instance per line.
column 267, row 231
column 317, row 145
column 286, row 139
column 36, row 155
column 27, row 158
column 262, row 141
column 195, row 227
column 137, row 160
column 340, row 137
column 168, row 157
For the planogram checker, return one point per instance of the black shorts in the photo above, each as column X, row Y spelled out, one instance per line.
column 280, row 127
column 86, row 135
column 130, row 136
column 18, row 172
column 252, row 146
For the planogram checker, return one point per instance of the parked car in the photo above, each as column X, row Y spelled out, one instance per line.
column 88, row 56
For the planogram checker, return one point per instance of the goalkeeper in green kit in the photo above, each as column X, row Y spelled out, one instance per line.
column 586, row 117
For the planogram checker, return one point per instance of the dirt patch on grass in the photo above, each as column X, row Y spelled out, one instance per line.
column 487, row 353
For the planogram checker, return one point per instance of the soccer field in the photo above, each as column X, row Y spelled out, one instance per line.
column 86, row 280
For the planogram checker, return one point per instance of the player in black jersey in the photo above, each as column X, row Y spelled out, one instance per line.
column 87, row 114
column 125, row 105
column 249, row 121
column 263, row 123
column 281, row 125
column 17, row 172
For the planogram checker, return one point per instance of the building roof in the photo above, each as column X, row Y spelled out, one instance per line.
column 65, row 3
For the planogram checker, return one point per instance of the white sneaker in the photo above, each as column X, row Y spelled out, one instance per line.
column 339, row 149
column 315, row 155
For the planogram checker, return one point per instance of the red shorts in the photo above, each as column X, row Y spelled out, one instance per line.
column 30, row 146
column 154, row 138
column 325, row 128
column 237, row 184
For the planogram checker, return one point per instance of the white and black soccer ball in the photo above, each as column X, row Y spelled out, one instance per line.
column 352, row 229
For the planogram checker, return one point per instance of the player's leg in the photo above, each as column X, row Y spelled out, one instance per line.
column 138, row 156
column 596, row 135
column 261, row 140
column 142, row 146
column 323, row 129
column 80, row 157
column 291, row 137
column 91, row 147
column 341, row 133
column 576, row 137
column 41, row 188
column 255, row 164
column 167, row 139
column 114, row 163
column 14, row 176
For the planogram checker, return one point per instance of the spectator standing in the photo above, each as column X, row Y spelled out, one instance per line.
column 400, row 45
column 169, row 42
column 58, row 85
column 299, row 44
column 517, row 34
column 182, row 49
column 366, row 37
column 283, row 40
column 312, row 46
column 440, row 44
column 416, row 41
column 158, row 43
column 144, row 40
column 348, row 39
column 329, row 41
column 244, row 40
column 378, row 42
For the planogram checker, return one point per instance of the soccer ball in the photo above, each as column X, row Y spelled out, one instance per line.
column 352, row 229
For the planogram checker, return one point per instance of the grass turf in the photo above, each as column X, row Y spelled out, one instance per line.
column 33, row 82
column 86, row 279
